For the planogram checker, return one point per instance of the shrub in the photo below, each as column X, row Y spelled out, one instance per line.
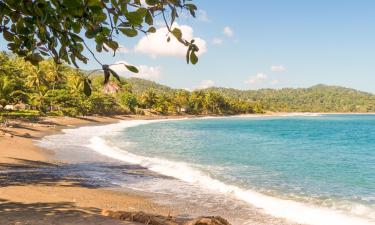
column 129, row 101
column 102, row 104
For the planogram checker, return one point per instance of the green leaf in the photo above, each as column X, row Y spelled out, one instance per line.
column 152, row 2
column 177, row 33
column 188, row 55
column 151, row 30
column 114, row 74
column 93, row 3
column 87, row 87
column 193, row 58
column 113, row 45
column 8, row 35
column 34, row 58
column 76, row 37
column 136, row 18
column 148, row 18
column 132, row 68
column 129, row 32
column 142, row 12
column 173, row 15
column 192, row 8
column 72, row 3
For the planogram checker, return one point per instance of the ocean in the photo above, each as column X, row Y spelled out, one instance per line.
column 307, row 168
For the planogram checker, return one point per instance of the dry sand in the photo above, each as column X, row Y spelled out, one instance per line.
column 29, row 197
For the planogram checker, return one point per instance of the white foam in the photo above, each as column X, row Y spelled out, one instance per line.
column 295, row 211
column 302, row 114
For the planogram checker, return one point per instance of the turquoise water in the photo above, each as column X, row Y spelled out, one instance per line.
column 326, row 161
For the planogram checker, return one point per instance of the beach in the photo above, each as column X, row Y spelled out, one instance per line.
column 70, row 170
column 29, row 197
column 32, row 194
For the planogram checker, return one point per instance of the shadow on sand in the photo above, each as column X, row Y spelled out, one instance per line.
column 27, row 172
column 51, row 213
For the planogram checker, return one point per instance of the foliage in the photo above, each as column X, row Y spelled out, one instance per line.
column 60, row 28
column 20, row 113
column 63, row 102
column 149, row 99
column 60, row 91
column 139, row 86
column 319, row 98
column 129, row 101
column 103, row 104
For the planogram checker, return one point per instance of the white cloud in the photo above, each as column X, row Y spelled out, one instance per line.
column 278, row 68
column 228, row 31
column 156, row 44
column 149, row 72
column 217, row 41
column 258, row 78
column 205, row 84
column 145, row 72
column 202, row 15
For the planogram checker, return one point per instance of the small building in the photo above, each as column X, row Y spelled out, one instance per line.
column 9, row 107
column 111, row 88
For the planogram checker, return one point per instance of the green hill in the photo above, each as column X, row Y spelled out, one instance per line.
column 141, row 85
column 318, row 98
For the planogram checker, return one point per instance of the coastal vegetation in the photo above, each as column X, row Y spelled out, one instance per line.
column 318, row 98
column 60, row 30
column 52, row 89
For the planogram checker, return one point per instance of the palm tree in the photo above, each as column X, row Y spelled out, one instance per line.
column 163, row 103
column 196, row 101
column 36, row 78
column 181, row 99
column 6, row 90
column 149, row 98
column 54, row 73
column 214, row 102
column 75, row 84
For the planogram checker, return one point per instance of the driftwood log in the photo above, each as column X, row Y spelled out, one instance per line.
column 150, row 219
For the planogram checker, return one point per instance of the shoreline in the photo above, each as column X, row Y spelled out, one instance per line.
column 28, row 194
column 276, row 207
column 85, row 201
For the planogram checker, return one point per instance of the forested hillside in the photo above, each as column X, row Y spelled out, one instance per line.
column 57, row 89
column 50, row 89
column 318, row 98
column 141, row 85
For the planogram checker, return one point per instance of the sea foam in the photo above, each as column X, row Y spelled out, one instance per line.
column 93, row 137
column 295, row 211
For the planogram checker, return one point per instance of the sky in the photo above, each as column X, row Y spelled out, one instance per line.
column 260, row 44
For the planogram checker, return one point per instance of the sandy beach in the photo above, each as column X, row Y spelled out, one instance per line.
column 29, row 195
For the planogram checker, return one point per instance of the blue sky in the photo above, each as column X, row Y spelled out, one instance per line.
column 269, row 43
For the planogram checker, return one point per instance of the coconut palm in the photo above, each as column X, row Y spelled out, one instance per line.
column 6, row 90
column 149, row 98
column 54, row 73
column 197, row 101
column 181, row 99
